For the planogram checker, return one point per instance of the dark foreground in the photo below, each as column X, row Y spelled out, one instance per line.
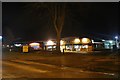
column 68, row 65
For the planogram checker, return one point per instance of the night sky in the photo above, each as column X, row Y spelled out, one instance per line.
column 95, row 20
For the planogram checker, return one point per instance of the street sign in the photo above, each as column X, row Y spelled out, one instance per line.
column 25, row 48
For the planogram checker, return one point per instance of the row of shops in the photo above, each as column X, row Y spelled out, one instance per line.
column 68, row 44
column 71, row 44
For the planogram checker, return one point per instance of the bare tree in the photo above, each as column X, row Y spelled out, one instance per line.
column 9, row 35
column 57, row 14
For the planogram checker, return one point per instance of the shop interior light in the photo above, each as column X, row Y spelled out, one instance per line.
column 85, row 40
column 17, row 45
column 92, row 41
column 50, row 42
column 110, row 41
column 34, row 44
column 62, row 42
column 77, row 40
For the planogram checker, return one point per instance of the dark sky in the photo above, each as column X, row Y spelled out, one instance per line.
column 91, row 19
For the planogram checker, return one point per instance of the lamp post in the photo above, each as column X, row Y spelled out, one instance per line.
column 0, row 37
column 116, row 41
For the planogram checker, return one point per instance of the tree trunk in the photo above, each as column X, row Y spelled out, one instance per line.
column 58, row 42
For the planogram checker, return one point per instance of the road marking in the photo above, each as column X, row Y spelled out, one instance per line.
column 109, row 73
column 36, row 63
column 9, row 76
column 28, row 68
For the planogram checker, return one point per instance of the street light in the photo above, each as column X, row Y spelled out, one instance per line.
column 116, row 37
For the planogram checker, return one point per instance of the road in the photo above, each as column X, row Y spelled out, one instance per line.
column 65, row 66
column 29, row 69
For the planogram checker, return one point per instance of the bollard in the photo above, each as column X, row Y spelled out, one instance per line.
column 10, row 50
column 63, row 51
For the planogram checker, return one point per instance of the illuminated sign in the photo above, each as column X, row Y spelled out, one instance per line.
column 25, row 48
